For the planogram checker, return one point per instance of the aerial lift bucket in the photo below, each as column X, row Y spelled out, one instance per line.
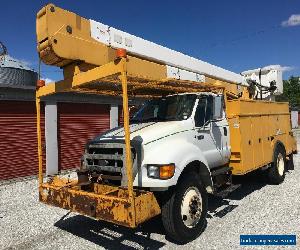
column 121, row 205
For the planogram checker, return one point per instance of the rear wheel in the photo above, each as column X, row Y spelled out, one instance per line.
column 184, row 212
column 276, row 173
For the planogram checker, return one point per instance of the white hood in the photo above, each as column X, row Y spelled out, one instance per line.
column 148, row 132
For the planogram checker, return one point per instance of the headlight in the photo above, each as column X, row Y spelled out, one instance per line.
column 153, row 172
column 164, row 172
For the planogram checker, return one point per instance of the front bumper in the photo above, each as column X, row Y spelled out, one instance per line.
column 104, row 202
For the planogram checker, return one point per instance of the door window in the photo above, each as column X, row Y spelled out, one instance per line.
column 204, row 111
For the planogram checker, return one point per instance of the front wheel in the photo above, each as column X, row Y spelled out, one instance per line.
column 184, row 212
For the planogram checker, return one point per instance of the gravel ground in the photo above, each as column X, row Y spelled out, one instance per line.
column 255, row 208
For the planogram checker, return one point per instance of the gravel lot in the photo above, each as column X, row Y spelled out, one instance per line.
column 256, row 208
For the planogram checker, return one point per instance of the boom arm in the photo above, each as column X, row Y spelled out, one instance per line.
column 65, row 39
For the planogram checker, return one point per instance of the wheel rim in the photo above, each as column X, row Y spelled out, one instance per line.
column 280, row 164
column 191, row 207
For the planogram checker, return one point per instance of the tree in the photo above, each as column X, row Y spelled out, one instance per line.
column 291, row 92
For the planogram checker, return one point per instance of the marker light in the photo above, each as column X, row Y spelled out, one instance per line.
column 121, row 53
column 40, row 83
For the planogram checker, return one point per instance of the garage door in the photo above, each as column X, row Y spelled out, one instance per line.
column 18, row 139
column 77, row 124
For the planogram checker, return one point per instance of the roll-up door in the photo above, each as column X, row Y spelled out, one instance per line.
column 77, row 124
column 18, row 139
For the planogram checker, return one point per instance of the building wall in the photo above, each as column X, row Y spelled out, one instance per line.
column 70, row 120
column 51, row 138
column 295, row 119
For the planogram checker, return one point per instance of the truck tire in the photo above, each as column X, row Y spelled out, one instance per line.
column 276, row 172
column 185, row 210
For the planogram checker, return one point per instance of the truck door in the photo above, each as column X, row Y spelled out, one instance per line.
column 209, row 132
column 220, row 128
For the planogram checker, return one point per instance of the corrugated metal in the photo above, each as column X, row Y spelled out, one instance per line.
column 18, row 139
column 17, row 77
column 77, row 124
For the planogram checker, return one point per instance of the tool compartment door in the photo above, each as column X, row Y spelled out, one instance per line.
column 256, row 132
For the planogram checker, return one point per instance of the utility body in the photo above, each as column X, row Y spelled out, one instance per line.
column 199, row 126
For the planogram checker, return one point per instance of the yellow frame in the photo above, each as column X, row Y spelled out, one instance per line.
column 113, row 68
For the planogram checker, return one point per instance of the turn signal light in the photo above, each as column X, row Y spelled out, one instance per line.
column 161, row 171
column 166, row 171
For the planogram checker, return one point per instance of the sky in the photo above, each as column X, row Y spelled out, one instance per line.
column 235, row 35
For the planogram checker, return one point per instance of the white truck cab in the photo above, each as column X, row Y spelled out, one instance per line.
column 176, row 131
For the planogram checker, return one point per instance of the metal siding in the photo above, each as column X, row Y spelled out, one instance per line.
column 18, row 139
column 79, row 123
column 17, row 77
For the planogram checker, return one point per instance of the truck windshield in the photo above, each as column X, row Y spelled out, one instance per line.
column 171, row 108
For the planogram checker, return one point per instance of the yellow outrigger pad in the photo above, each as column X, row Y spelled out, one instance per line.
column 104, row 202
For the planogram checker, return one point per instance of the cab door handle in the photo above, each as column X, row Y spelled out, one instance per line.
column 225, row 131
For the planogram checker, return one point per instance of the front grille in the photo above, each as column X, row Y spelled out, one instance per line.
column 110, row 151
column 104, row 155
column 108, row 157
column 100, row 162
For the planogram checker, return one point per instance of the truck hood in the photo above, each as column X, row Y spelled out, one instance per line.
column 145, row 132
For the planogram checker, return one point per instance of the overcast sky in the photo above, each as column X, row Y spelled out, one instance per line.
column 236, row 35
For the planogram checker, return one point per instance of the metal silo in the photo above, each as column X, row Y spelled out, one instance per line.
column 15, row 73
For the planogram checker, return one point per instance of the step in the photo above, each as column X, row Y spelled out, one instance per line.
column 227, row 190
column 222, row 170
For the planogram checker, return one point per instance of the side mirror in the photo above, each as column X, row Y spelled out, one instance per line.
column 130, row 108
column 218, row 107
